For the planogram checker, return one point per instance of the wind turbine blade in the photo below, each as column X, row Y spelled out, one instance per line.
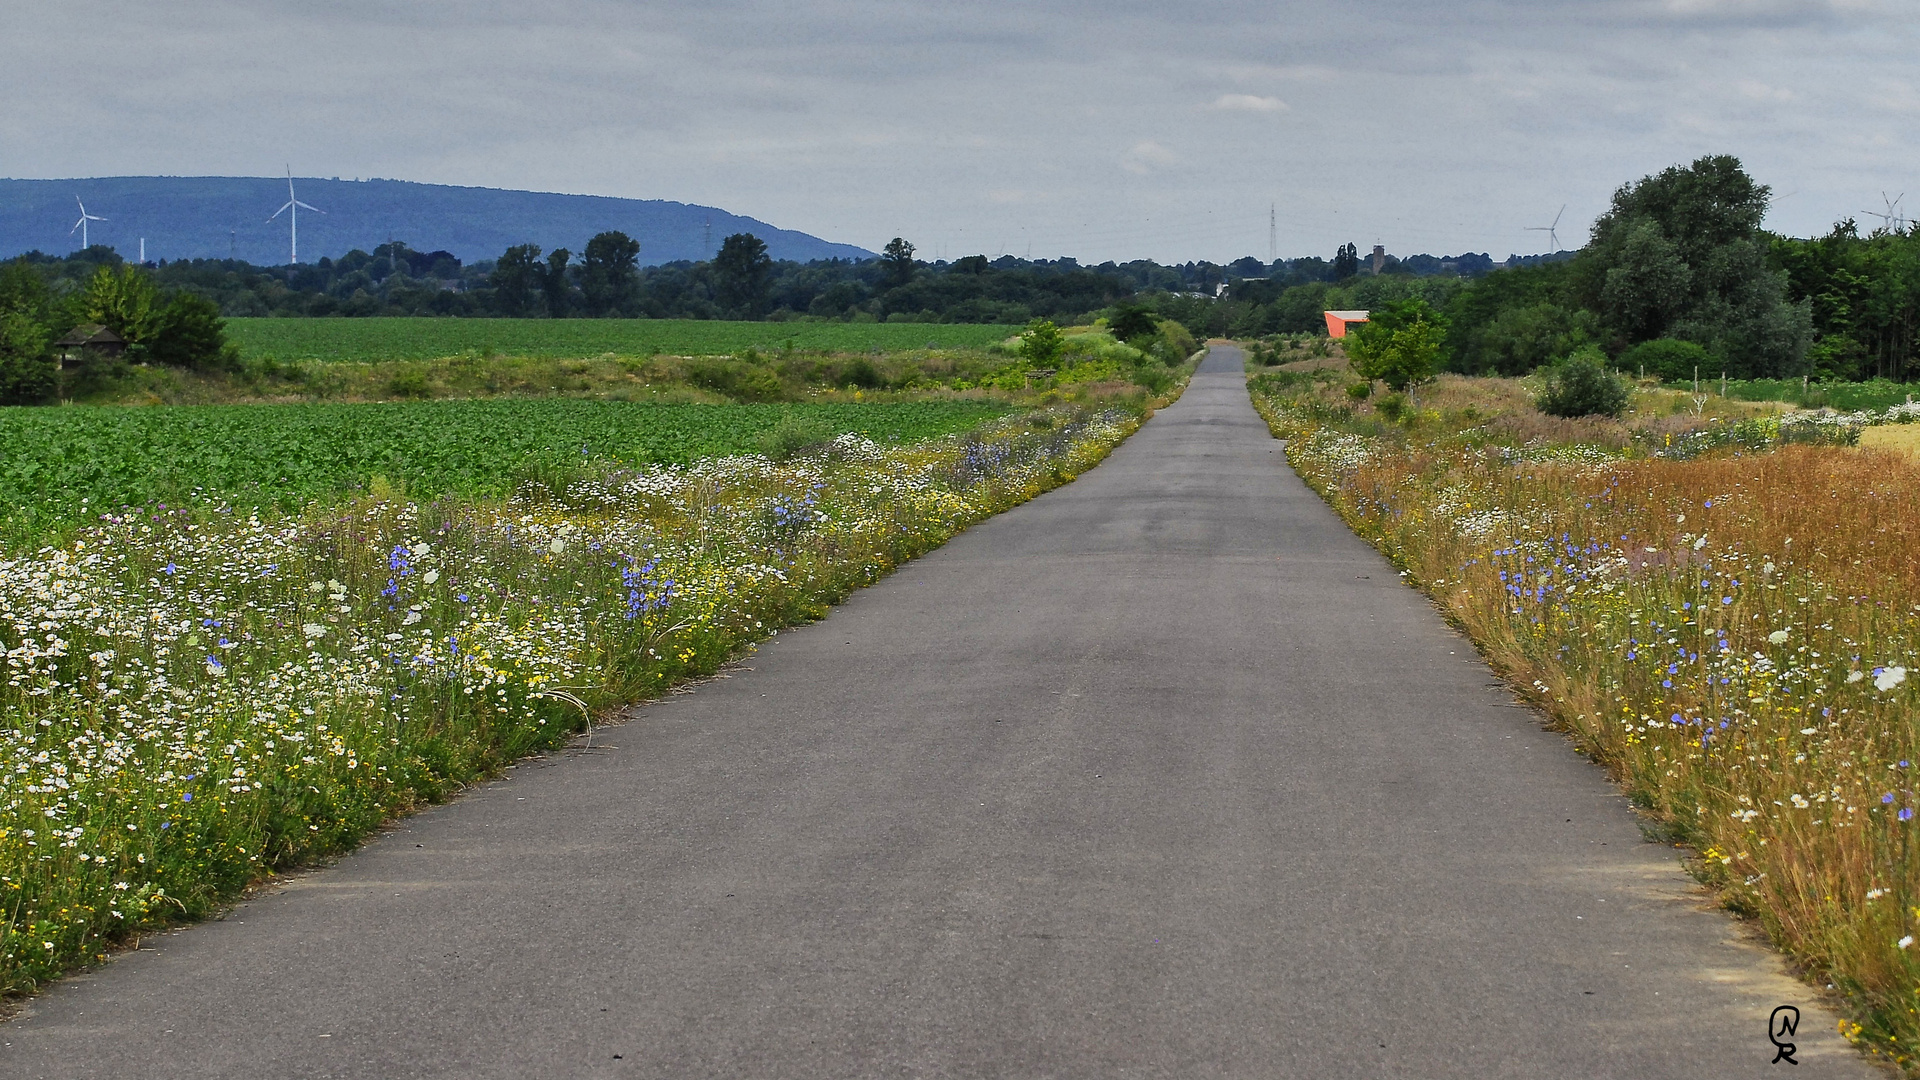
column 76, row 226
column 1557, row 217
column 280, row 211
column 304, row 206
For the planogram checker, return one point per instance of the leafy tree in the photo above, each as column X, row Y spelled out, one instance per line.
column 609, row 274
column 26, row 364
column 1521, row 339
column 897, row 260
column 1042, row 343
column 1514, row 320
column 1681, row 255
column 740, row 271
column 554, row 284
column 189, row 332
column 1346, row 262
column 518, row 280
column 124, row 300
column 1581, row 385
column 1399, row 345
column 1130, row 321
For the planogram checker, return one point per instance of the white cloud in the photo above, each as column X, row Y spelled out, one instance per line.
column 1249, row 103
column 1147, row 157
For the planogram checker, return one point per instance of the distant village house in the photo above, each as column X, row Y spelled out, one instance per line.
column 89, row 341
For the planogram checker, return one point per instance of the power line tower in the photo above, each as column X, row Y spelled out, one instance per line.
column 706, row 244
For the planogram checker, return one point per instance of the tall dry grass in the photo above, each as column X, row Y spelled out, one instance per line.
column 1730, row 636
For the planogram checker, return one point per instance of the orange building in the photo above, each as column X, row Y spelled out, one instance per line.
column 1338, row 321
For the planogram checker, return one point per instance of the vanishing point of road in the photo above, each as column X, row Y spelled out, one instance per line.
column 1163, row 774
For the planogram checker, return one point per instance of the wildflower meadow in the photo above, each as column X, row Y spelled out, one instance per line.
column 196, row 696
column 1734, row 631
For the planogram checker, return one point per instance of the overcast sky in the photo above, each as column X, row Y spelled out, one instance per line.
column 1098, row 130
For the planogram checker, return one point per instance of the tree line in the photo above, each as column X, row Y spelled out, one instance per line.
column 1678, row 278
column 740, row 282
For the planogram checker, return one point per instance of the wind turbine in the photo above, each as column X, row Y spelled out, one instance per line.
column 81, row 225
column 1893, row 220
column 1553, row 230
column 292, row 210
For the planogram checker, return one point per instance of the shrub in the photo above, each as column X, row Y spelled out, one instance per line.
column 1392, row 407
column 1360, row 391
column 1670, row 359
column 792, row 435
column 1581, row 385
column 1041, row 344
column 1179, row 342
column 862, row 373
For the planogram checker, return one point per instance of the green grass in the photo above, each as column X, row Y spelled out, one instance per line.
column 372, row 340
column 64, row 464
column 1874, row 394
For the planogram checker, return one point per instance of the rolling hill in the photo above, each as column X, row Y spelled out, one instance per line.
column 186, row 217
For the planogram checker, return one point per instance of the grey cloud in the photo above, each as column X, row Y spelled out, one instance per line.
column 970, row 126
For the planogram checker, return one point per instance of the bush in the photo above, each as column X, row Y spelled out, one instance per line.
column 1669, row 359
column 1581, row 385
column 1179, row 342
column 1360, row 391
column 1042, row 343
column 792, row 435
column 862, row 373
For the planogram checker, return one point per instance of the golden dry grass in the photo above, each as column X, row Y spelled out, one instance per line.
column 1898, row 438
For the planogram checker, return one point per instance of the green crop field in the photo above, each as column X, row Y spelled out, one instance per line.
column 373, row 340
column 288, row 455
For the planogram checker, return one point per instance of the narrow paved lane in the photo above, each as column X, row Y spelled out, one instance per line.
column 1161, row 775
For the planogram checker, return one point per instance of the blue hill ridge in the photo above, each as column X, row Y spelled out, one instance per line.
column 189, row 217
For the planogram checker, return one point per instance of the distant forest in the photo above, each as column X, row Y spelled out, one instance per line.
column 1678, row 277
column 740, row 282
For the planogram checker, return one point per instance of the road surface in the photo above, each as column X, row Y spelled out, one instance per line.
column 1164, row 774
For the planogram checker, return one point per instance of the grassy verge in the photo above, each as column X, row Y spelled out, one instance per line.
column 199, row 696
column 1729, row 631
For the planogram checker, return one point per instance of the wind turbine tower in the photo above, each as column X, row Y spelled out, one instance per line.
column 81, row 225
column 1552, row 231
column 292, row 210
column 1273, row 232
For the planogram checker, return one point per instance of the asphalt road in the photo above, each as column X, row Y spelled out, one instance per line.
column 1164, row 774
